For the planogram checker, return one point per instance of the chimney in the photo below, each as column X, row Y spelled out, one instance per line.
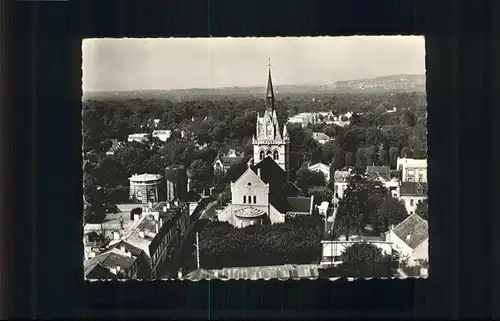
column 116, row 235
column 176, row 203
column 113, row 270
column 168, row 205
column 141, row 234
column 164, row 208
column 161, row 222
column 117, row 268
column 122, row 248
column 157, row 227
column 137, row 217
column 258, row 172
column 391, row 227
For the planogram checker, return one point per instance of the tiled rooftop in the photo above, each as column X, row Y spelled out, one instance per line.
column 416, row 227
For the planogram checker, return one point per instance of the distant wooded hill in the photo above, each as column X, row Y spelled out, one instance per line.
column 394, row 83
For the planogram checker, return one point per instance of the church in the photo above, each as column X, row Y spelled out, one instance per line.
column 263, row 193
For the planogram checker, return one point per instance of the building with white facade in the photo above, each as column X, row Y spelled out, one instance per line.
column 412, row 170
column 341, row 179
column 139, row 137
column 410, row 239
column 321, row 138
column 320, row 167
column 411, row 193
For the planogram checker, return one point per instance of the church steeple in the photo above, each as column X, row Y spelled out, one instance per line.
column 270, row 90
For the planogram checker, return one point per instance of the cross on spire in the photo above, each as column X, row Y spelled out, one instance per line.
column 269, row 62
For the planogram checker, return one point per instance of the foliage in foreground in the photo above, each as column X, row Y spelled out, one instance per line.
column 296, row 241
column 363, row 260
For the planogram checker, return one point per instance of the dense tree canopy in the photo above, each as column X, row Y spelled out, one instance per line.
column 307, row 178
column 294, row 242
column 214, row 124
column 359, row 205
column 321, row 194
column 364, row 260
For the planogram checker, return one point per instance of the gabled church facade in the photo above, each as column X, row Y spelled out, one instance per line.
column 262, row 194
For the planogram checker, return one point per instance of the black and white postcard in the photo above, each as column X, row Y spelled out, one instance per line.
column 255, row 158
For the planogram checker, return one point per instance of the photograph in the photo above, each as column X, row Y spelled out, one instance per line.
column 254, row 158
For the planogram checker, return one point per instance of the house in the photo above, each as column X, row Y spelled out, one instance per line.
column 156, row 234
column 321, row 138
column 140, row 137
column 412, row 170
column 94, row 243
column 223, row 162
column 332, row 250
column 115, row 263
column 162, row 135
column 320, row 167
column 411, row 193
column 383, row 175
column 410, row 239
column 341, row 179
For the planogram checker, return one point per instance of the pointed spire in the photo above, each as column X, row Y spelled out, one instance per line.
column 270, row 89
column 285, row 132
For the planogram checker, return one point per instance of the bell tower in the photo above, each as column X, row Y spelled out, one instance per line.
column 269, row 140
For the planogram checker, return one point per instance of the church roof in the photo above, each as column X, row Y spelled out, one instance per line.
column 249, row 212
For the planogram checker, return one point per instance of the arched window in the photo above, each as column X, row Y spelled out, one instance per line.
column 254, row 199
column 269, row 153
column 249, row 199
column 276, row 155
column 261, row 155
column 244, row 199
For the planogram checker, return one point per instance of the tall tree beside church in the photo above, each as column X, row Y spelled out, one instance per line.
column 406, row 152
column 350, row 160
column 361, row 158
column 307, row 178
column 393, row 156
column 371, row 155
column 383, row 156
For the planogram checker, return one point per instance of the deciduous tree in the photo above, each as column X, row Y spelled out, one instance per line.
column 423, row 209
column 321, row 194
column 307, row 178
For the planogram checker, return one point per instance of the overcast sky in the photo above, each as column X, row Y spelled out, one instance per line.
column 177, row 63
